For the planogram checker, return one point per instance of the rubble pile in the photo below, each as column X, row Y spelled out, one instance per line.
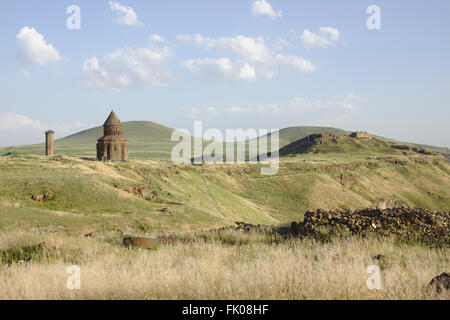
column 247, row 227
column 415, row 224
column 141, row 190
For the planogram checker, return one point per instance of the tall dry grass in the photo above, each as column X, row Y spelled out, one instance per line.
column 228, row 266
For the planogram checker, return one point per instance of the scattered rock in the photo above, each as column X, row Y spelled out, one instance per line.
column 145, row 243
column 40, row 197
column 47, row 196
column 37, row 197
column 246, row 227
column 440, row 282
column 141, row 190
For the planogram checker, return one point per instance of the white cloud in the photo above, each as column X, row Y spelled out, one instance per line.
column 282, row 43
column 247, row 72
column 156, row 38
column 19, row 129
column 238, row 110
column 252, row 49
column 12, row 121
column 198, row 39
column 208, row 67
column 127, row 68
column 250, row 58
column 298, row 63
column 262, row 109
column 340, row 104
column 197, row 113
column 211, row 111
column 269, row 107
column 124, row 15
column 33, row 49
column 25, row 73
column 262, row 7
column 223, row 68
column 325, row 37
column 346, row 102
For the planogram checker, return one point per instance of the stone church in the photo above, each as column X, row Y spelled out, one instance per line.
column 113, row 145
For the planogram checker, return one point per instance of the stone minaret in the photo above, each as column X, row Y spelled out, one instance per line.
column 49, row 143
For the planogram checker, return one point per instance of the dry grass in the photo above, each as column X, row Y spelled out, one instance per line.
column 226, row 266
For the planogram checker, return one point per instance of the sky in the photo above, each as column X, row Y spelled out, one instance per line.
column 264, row 64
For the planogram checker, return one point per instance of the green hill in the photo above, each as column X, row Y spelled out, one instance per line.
column 149, row 140
column 291, row 134
column 331, row 143
column 146, row 140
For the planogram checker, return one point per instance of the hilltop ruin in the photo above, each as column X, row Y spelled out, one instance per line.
column 361, row 135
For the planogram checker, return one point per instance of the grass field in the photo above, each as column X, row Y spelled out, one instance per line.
column 229, row 265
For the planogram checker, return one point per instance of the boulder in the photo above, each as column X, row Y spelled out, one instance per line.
column 441, row 282
column 145, row 243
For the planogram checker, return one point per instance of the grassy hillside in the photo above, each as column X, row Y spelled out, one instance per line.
column 146, row 195
column 341, row 144
column 291, row 134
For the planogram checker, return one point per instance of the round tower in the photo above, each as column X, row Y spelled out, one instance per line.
column 49, row 143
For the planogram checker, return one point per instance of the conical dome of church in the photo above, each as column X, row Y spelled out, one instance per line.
column 112, row 120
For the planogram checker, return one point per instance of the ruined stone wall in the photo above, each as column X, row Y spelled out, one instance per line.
column 409, row 223
column 361, row 135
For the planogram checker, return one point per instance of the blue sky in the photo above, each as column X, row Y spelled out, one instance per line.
column 232, row 64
